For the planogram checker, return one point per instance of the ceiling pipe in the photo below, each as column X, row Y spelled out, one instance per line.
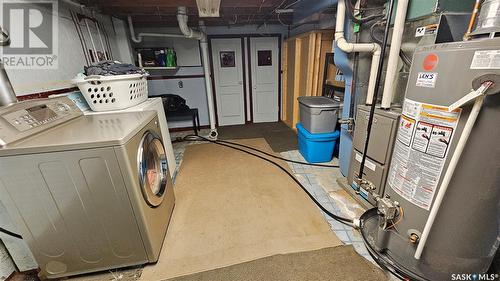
column 392, row 63
column 138, row 38
column 7, row 94
column 345, row 46
column 182, row 18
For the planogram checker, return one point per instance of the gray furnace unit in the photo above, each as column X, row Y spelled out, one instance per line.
column 383, row 133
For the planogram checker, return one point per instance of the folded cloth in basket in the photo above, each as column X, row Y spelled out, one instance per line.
column 108, row 67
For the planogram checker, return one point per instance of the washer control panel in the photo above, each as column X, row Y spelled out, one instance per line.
column 23, row 119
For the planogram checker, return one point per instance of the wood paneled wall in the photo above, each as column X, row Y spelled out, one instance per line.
column 303, row 70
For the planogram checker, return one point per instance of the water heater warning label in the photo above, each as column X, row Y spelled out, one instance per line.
column 489, row 59
column 424, row 136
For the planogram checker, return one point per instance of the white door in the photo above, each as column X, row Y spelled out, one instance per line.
column 228, row 75
column 264, row 70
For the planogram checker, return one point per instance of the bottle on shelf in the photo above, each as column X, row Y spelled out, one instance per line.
column 170, row 58
column 161, row 58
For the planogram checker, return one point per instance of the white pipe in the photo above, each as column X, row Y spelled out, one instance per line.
column 208, row 85
column 187, row 32
column 96, row 56
column 362, row 47
column 102, row 43
column 132, row 32
column 138, row 38
column 449, row 173
column 392, row 63
column 182, row 18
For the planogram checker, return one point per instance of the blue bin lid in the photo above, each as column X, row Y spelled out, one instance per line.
column 324, row 136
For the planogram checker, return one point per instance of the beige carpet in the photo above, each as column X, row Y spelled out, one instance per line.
column 340, row 263
column 233, row 208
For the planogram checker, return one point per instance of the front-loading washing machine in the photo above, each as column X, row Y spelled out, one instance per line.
column 88, row 194
column 155, row 104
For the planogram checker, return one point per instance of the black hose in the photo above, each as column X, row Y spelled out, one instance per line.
column 406, row 60
column 377, row 90
column 350, row 13
column 354, row 81
column 10, row 233
column 343, row 220
column 268, row 154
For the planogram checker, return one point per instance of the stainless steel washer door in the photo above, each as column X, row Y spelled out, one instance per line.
column 153, row 168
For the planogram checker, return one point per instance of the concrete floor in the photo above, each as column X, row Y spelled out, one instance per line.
column 322, row 183
column 279, row 136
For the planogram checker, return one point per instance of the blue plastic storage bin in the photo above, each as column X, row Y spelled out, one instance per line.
column 316, row 148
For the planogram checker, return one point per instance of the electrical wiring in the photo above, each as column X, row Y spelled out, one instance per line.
column 281, row 22
column 346, row 221
column 369, row 8
column 291, row 4
column 350, row 13
column 406, row 60
column 400, row 218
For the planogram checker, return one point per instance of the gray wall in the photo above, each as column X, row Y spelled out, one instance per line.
column 71, row 57
column 189, row 61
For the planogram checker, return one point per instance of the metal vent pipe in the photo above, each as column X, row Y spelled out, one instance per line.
column 7, row 95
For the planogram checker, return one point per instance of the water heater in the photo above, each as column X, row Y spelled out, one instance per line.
column 463, row 235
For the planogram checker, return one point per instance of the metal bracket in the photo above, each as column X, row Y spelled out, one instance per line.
column 349, row 122
column 365, row 184
column 388, row 208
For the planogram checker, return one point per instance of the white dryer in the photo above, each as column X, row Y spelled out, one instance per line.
column 155, row 104
column 90, row 194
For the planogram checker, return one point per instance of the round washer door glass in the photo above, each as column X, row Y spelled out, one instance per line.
column 153, row 168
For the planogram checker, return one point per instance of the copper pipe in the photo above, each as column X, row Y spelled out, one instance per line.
column 472, row 19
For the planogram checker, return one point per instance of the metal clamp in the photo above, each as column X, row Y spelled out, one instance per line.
column 388, row 208
column 365, row 184
column 349, row 122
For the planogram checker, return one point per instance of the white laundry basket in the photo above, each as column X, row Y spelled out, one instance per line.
column 113, row 92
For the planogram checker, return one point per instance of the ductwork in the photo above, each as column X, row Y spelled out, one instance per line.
column 345, row 46
column 7, row 95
